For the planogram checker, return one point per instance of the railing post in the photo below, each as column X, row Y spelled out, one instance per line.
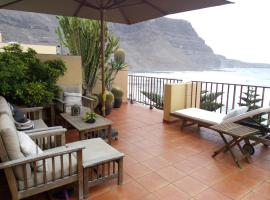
column 131, row 90
column 150, row 92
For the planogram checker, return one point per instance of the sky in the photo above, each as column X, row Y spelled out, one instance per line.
column 238, row 31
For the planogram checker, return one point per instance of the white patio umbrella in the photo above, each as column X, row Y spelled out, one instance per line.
column 118, row 11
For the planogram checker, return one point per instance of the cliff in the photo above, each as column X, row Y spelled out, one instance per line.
column 157, row 45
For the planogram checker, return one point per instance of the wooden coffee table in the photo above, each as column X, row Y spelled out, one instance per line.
column 101, row 128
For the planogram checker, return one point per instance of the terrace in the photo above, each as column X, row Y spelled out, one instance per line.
column 162, row 162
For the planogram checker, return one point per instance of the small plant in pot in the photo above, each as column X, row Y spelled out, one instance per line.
column 90, row 117
column 118, row 96
column 108, row 103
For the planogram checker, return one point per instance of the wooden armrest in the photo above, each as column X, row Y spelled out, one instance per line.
column 47, row 133
column 31, row 109
column 43, row 129
column 88, row 98
column 59, row 101
column 58, row 151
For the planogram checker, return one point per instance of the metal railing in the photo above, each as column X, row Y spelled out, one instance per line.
column 222, row 97
column 214, row 96
column 148, row 90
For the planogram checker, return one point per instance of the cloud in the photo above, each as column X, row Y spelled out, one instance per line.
column 239, row 31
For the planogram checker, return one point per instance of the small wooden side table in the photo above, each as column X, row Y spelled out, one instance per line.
column 238, row 133
column 101, row 128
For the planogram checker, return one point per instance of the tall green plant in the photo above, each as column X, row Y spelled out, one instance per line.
column 252, row 101
column 82, row 37
column 115, row 65
column 209, row 100
column 154, row 97
column 24, row 79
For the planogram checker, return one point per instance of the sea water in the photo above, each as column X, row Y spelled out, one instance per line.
column 249, row 76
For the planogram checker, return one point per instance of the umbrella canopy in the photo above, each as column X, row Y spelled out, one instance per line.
column 118, row 11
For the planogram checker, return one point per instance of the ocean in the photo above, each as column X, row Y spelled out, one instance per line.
column 249, row 76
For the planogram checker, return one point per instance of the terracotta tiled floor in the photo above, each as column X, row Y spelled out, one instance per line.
column 164, row 163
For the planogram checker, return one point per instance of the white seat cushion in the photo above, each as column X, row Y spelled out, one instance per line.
column 97, row 151
column 201, row 115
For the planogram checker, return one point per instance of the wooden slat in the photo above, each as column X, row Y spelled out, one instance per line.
column 44, row 171
column 25, row 179
column 70, row 164
column 53, row 169
column 35, row 172
column 62, row 166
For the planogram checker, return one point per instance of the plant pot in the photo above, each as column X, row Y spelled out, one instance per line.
column 117, row 102
column 108, row 109
column 91, row 121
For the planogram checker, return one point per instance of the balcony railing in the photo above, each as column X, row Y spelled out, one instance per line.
column 219, row 97
column 148, row 90
column 227, row 96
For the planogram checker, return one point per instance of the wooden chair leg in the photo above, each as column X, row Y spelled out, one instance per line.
column 120, row 171
column 85, row 183
column 183, row 124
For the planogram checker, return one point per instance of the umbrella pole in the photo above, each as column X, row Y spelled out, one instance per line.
column 102, row 62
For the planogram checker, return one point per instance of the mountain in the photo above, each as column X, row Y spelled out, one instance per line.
column 155, row 45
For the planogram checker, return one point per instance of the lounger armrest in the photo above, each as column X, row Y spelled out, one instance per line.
column 46, row 132
column 43, row 129
column 32, row 112
column 54, row 135
column 31, row 109
column 58, row 151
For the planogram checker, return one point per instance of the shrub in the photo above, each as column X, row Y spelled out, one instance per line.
column 24, row 79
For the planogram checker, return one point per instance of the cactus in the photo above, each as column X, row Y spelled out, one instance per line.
column 81, row 37
column 114, row 67
column 119, row 55
column 117, row 92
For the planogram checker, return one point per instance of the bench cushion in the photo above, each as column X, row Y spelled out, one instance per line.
column 97, row 151
column 4, row 107
column 11, row 142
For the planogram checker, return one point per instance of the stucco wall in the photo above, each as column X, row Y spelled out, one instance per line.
column 180, row 96
column 120, row 81
column 73, row 75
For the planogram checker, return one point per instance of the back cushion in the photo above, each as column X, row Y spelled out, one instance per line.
column 4, row 107
column 70, row 89
column 236, row 112
column 71, row 99
column 11, row 143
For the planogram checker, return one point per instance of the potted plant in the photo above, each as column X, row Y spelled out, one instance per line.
column 108, row 103
column 90, row 117
column 118, row 96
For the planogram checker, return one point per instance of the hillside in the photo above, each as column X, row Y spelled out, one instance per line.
column 155, row 45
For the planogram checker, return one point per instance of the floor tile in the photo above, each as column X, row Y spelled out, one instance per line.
column 211, row 194
column 187, row 166
column 171, row 174
column 156, row 163
column 152, row 181
column 190, row 185
column 137, row 170
column 170, row 192
column 131, row 190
